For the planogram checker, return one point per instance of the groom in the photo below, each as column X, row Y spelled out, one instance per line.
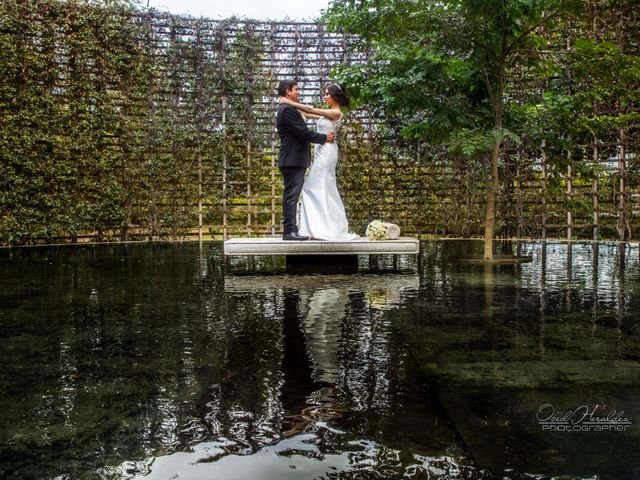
column 294, row 156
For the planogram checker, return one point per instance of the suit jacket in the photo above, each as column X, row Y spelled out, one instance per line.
column 295, row 138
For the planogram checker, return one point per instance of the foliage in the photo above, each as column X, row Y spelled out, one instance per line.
column 472, row 142
column 453, row 72
column 438, row 64
column 109, row 113
column 96, row 123
column 69, row 75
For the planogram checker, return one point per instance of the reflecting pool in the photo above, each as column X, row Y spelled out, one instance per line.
column 164, row 361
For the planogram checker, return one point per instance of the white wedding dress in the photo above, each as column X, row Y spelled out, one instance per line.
column 322, row 214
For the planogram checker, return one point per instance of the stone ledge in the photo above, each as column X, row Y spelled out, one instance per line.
column 360, row 246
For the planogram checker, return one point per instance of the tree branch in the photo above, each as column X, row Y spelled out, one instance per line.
column 485, row 75
column 547, row 52
column 542, row 21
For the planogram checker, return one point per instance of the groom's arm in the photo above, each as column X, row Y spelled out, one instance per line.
column 298, row 128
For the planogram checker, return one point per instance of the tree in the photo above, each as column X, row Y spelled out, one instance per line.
column 442, row 65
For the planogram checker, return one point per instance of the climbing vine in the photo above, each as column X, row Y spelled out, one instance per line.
column 122, row 123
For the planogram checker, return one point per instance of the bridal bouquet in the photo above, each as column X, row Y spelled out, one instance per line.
column 378, row 230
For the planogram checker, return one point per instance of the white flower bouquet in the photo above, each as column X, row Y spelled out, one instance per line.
column 378, row 230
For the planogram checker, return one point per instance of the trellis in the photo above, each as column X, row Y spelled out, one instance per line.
column 184, row 144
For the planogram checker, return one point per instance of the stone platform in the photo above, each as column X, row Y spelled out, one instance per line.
column 360, row 246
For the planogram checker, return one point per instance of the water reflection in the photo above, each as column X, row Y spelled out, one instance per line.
column 322, row 313
column 314, row 310
column 145, row 361
column 342, row 377
column 556, row 331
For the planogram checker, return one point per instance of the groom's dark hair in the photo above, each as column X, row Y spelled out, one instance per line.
column 285, row 85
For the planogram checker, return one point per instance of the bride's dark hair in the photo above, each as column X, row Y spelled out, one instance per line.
column 339, row 94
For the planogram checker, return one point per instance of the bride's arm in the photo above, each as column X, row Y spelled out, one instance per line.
column 310, row 115
column 331, row 114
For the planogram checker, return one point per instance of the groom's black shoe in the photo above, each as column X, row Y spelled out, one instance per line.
column 294, row 236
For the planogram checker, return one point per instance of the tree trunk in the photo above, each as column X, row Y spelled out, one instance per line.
column 490, row 218
column 492, row 192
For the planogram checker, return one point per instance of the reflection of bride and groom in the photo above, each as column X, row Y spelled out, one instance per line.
column 313, row 317
column 322, row 312
column 322, row 213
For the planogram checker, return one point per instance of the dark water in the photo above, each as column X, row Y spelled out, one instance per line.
column 147, row 361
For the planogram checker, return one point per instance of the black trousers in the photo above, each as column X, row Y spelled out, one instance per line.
column 293, row 181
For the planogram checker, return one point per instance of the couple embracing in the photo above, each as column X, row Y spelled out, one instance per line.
column 322, row 214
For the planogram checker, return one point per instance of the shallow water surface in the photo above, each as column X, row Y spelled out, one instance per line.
column 164, row 361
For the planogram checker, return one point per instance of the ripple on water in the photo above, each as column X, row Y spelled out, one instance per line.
column 310, row 455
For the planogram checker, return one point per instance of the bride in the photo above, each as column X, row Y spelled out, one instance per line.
column 322, row 214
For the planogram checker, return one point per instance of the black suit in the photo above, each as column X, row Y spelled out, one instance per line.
column 293, row 159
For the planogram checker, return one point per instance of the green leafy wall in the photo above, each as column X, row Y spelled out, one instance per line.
column 120, row 123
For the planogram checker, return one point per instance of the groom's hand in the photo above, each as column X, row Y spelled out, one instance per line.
column 330, row 137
